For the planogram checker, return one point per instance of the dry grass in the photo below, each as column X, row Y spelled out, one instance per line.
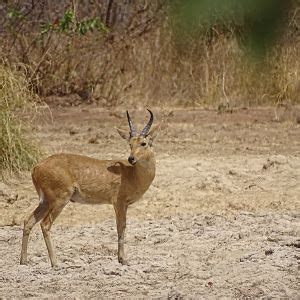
column 17, row 152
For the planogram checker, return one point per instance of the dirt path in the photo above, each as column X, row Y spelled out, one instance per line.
column 220, row 219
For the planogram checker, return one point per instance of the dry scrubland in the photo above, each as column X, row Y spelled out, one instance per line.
column 221, row 218
column 141, row 60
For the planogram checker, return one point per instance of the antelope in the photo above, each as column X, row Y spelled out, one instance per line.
column 61, row 178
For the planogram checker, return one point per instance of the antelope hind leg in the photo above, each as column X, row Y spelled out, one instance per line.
column 38, row 214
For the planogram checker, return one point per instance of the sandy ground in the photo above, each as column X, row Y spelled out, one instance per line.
column 221, row 218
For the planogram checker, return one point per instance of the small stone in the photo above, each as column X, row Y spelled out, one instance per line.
column 93, row 140
column 269, row 252
column 231, row 172
column 73, row 131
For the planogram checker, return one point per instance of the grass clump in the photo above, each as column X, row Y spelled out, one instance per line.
column 17, row 152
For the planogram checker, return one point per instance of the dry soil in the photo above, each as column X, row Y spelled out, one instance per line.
column 221, row 218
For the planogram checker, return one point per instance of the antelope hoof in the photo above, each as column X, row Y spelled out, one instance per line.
column 57, row 267
column 123, row 261
column 54, row 265
column 24, row 262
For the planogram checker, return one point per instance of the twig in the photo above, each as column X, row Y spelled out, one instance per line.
column 223, row 87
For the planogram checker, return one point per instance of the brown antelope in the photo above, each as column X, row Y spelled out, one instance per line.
column 61, row 178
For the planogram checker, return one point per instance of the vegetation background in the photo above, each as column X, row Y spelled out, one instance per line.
column 159, row 53
column 141, row 52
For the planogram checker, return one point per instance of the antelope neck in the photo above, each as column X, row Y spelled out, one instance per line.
column 144, row 169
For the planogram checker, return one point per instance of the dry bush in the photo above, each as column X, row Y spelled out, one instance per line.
column 141, row 62
column 17, row 153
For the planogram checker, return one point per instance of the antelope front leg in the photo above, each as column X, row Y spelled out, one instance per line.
column 121, row 210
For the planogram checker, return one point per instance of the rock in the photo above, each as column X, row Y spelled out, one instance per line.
column 275, row 160
column 93, row 140
column 73, row 131
column 6, row 195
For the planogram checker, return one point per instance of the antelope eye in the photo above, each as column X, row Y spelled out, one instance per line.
column 143, row 144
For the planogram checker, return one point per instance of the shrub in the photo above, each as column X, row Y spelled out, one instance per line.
column 17, row 153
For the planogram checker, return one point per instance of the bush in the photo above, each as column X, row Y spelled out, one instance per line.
column 17, row 153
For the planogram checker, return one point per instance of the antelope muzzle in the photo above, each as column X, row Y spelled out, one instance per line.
column 131, row 160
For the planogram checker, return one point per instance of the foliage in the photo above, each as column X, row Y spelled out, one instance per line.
column 14, row 14
column 70, row 26
column 257, row 23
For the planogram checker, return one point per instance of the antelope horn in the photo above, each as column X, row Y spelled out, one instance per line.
column 146, row 129
column 132, row 130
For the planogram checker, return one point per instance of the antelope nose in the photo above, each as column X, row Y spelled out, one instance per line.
column 131, row 160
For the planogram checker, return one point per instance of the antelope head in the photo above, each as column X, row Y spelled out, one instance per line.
column 140, row 143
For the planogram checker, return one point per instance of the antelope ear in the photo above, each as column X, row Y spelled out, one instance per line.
column 124, row 133
column 154, row 131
